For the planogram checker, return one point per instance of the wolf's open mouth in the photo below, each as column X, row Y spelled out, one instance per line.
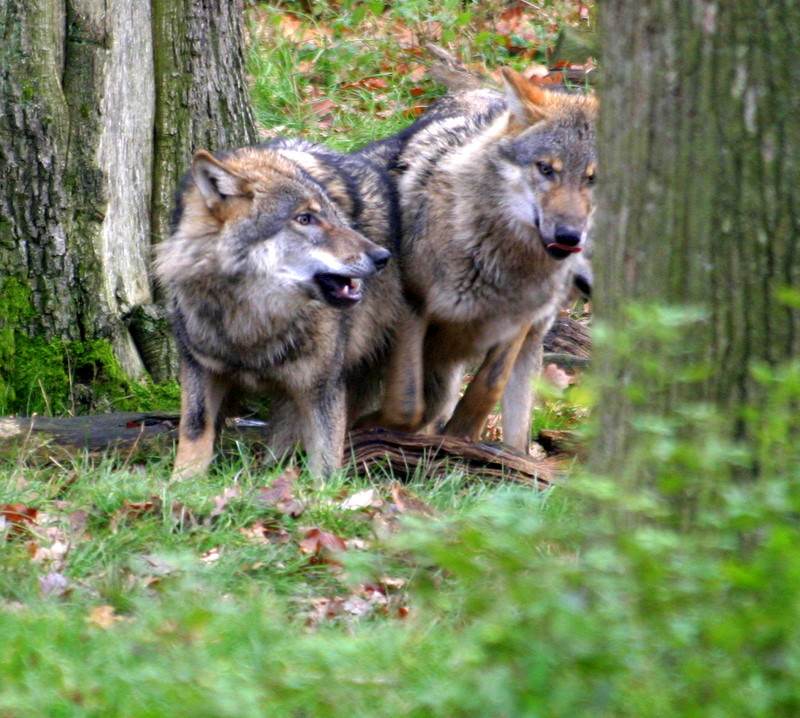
column 561, row 251
column 338, row 290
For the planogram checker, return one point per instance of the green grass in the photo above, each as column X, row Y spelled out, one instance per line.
column 126, row 544
column 347, row 73
column 581, row 601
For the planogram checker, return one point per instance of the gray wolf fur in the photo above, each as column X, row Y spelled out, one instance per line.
column 471, row 93
column 496, row 203
column 278, row 279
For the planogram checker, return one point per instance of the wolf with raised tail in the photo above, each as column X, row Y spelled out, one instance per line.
column 279, row 279
column 496, row 196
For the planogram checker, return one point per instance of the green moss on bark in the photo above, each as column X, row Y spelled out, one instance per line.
column 51, row 376
column 15, row 309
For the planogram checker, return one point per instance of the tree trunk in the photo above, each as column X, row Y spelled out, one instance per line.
column 103, row 103
column 199, row 64
column 700, row 150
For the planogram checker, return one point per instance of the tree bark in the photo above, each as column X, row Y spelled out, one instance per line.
column 199, row 65
column 700, row 151
column 103, row 103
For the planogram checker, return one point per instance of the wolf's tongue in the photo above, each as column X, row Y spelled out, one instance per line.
column 564, row 247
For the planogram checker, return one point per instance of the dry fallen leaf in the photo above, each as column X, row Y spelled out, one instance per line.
column 103, row 617
column 280, row 494
column 323, row 108
column 493, row 430
column 134, row 510
column 537, row 451
column 266, row 533
column 393, row 584
column 54, row 584
column 406, row 502
column 536, row 72
column 221, row 502
column 54, row 554
column 323, row 609
column 211, row 555
column 365, row 600
column 361, row 606
column 365, row 499
column 374, row 83
column 512, row 26
column 324, row 547
column 16, row 518
column 358, row 544
column 556, row 377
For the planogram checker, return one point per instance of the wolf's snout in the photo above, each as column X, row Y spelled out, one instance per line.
column 341, row 283
column 566, row 241
column 567, row 236
column 379, row 257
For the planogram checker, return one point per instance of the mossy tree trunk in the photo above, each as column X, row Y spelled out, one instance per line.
column 102, row 103
column 700, row 156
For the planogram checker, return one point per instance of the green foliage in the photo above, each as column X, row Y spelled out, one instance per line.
column 647, row 620
column 54, row 377
column 15, row 308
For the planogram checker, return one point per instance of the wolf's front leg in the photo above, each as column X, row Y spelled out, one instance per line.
column 202, row 394
column 518, row 396
column 485, row 390
column 323, row 414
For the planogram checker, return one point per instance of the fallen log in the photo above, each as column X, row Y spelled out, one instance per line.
column 46, row 437
column 405, row 455
column 568, row 337
column 562, row 442
column 410, row 455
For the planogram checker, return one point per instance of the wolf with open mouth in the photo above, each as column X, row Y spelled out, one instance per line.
column 278, row 277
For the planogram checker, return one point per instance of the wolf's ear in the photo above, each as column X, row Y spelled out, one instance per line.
column 214, row 180
column 526, row 101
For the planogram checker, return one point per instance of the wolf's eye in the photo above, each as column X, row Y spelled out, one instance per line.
column 304, row 218
column 544, row 168
column 591, row 179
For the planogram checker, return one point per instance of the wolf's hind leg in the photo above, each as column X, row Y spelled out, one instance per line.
column 403, row 402
column 442, row 383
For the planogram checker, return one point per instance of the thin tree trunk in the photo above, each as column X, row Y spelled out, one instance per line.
column 700, row 150
column 103, row 103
